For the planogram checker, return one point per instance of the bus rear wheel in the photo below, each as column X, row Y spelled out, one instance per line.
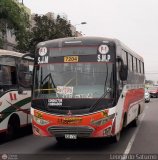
column 135, row 122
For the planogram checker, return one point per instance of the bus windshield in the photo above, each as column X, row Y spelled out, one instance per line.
column 73, row 80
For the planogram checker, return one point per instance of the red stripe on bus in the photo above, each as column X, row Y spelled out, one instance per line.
column 11, row 96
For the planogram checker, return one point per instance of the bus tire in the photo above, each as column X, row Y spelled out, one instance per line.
column 135, row 122
column 13, row 127
column 116, row 138
column 125, row 120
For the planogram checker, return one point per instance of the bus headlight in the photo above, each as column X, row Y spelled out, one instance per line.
column 40, row 121
column 103, row 120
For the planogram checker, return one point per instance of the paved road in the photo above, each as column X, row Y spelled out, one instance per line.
column 135, row 143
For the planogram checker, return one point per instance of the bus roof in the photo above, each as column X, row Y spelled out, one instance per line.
column 10, row 53
column 127, row 49
column 86, row 40
column 78, row 40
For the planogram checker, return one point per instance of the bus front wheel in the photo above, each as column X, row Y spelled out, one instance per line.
column 116, row 138
column 13, row 127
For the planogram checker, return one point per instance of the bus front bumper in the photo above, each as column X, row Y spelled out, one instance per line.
column 94, row 125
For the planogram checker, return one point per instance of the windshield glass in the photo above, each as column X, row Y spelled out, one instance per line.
column 73, row 80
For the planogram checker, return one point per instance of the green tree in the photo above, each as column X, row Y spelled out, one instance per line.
column 23, row 41
column 62, row 28
column 13, row 17
column 44, row 29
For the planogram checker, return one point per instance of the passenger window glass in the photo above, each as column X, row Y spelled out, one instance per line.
column 5, row 75
column 8, row 74
column 130, row 62
column 25, row 73
column 134, row 64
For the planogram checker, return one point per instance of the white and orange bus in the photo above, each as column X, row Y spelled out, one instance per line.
column 15, row 92
column 86, row 87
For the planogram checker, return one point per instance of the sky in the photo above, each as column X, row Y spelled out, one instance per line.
column 134, row 22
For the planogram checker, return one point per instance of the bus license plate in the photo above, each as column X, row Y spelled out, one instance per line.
column 70, row 136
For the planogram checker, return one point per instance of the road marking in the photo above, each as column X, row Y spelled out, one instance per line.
column 130, row 143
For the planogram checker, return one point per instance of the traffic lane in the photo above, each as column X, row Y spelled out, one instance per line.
column 47, row 145
column 30, row 147
column 89, row 146
column 146, row 141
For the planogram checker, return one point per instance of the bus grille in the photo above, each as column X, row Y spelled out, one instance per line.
column 59, row 131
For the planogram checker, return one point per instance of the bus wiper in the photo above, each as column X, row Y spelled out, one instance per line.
column 104, row 94
column 96, row 102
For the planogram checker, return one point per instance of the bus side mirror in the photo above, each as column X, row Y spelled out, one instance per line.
column 123, row 73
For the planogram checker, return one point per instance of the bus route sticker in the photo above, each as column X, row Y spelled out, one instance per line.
column 42, row 51
column 103, row 58
column 43, row 58
column 103, row 49
column 64, row 90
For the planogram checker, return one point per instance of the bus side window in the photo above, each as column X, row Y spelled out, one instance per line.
column 25, row 74
column 13, row 75
column 6, row 75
